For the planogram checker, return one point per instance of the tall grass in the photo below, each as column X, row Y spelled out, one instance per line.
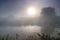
column 33, row 37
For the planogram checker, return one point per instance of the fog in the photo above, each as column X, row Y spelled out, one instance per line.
column 13, row 18
column 20, row 30
column 44, row 23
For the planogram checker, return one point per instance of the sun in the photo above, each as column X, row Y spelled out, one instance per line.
column 31, row 11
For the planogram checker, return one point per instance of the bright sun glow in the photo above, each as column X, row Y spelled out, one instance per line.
column 31, row 11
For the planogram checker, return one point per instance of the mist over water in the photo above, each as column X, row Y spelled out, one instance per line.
column 45, row 22
column 20, row 30
column 14, row 18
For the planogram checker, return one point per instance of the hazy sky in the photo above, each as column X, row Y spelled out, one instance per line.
column 12, row 15
column 11, row 10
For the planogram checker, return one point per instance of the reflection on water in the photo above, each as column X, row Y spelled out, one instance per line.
column 21, row 30
column 31, row 29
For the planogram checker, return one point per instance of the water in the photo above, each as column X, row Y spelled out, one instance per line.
column 21, row 30
column 26, row 30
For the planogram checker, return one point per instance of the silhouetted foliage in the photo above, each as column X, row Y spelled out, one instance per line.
column 3, row 37
column 33, row 37
column 7, row 37
column 59, row 34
